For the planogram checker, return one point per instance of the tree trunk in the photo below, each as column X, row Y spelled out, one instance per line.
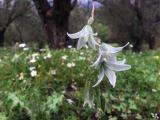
column 151, row 42
column 56, row 20
column 2, row 38
column 137, row 46
column 57, row 28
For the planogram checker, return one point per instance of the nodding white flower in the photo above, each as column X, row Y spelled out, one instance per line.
column 88, row 100
column 108, row 64
column 33, row 73
column 22, row 45
column 64, row 57
column 70, row 65
column 86, row 35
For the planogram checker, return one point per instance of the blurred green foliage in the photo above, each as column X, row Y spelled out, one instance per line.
column 56, row 91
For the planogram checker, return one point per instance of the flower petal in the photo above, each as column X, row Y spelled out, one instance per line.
column 96, row 64
column 121, row 62
column 91, row 42
column 81, row 43
column 118, row 49
column 77, row 35
column 116, row 66
column 100, row 77
column 110, row 49
column 111, row 76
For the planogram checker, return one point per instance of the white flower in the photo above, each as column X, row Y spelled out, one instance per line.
column 42, row 50
column 69, row 46
column 70, row 101
column 49, row 55
column 82, row 58
column 32, row 68
column 33, row 73
column 25, row 49
column 35, row 55
column 33, row 60
column 108, row 64
column 70, row 65
column 22, row 45
column 81, row 53
column 88, row 100
column 21, row 76
column 64, row 57
column 52, row 72
column 86, row 35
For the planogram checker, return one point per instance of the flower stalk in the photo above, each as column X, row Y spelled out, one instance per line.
column 106, row 63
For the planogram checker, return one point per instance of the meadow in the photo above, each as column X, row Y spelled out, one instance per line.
column 49, row 85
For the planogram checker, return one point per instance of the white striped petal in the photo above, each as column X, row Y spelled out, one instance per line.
column 111, row 76
column 110, row 49
column 97, row 63
column 117, row 67
column 121, row 62
column 91, row 42
column 81, row 43
column 100, row 77
column 77, row 35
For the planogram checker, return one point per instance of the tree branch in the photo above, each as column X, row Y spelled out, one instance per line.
column 73, row 4
column 42, row 7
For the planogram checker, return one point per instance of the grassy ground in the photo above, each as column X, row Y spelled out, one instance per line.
column 48, row 85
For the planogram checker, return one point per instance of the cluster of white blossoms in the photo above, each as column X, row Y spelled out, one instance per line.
column 106, row 62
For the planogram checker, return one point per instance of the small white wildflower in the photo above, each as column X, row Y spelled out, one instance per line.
column 154, row 90
column 21, row 76
column 81, row 74
column 33, row 60
column 70, row 65
column 81, row 53
column 49, row 55
column 32, row 68
column 42, row 50
column 82, row 58
column 131, row 46
column 25, row 49
column 35, row 55
column 52, row 72
column 22, row 45
column 70, row 101
column 33, row 73
column 69, row 46
column 0, row 60
column 64, row 57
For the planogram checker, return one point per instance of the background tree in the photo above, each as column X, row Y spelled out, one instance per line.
column 10, row 10
column 55, row 18
column 134, row 20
